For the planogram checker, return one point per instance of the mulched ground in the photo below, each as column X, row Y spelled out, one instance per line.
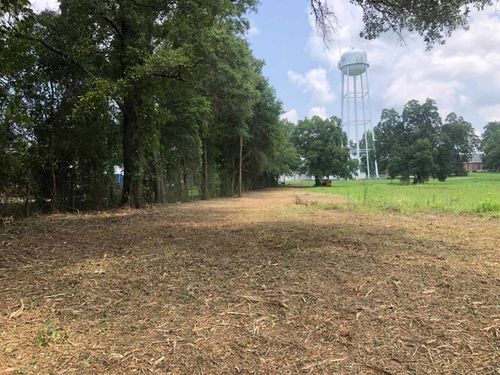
column 269, row 283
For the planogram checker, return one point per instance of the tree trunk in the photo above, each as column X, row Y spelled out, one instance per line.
column 204, row 188
column 240, row 177
column 54, row 188
column 28, row 198
column 317, row 181
column 159, row 178
column 234, row 174
column 131, row 194
column 72, row 191
column 185, row 191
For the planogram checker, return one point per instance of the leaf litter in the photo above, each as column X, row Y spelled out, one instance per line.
column 263, row 284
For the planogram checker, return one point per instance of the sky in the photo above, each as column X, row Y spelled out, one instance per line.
column 463, row 76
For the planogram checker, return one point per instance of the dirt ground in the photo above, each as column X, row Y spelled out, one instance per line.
column 256, row 285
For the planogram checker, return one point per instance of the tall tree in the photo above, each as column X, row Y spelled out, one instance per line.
column 322, row 148
column 388, row 132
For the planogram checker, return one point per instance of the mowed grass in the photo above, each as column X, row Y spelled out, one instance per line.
column 478, row 193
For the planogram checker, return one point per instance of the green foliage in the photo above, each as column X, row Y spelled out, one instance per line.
column 491, row 145
column 421, row 164
column 51, row 334
column 461, row 141
column 323, row 149
column 166, row 91
column 417, row 145
column 269, row 151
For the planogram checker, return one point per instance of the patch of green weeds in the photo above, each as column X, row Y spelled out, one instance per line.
column 51, row 334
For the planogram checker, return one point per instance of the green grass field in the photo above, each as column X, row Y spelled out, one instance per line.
column 478, row 193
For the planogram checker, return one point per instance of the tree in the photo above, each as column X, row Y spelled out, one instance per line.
column 389, row 131
column 11, row 11
column 421, row 165
column 445, row 162
column 490, row 128
column 434, row 20
column 417, row 144
column 323, row 149
column 462, row 140
column 491, row 146
column 400, row 145
column 269, row 150
column 285, row 158
column 421, row 121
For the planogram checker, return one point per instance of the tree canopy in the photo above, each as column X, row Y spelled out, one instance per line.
column 416, row 144
column 434, row 20
column 322, row 146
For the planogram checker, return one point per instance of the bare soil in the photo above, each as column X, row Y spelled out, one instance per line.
column 269, row 283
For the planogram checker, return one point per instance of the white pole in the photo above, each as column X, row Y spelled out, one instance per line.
column 348, row 117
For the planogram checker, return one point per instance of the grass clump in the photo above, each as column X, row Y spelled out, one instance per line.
column 51, row 334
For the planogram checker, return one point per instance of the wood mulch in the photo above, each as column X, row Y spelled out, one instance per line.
column 279, row 281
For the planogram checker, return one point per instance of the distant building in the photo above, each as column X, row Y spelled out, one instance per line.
column 474, row 164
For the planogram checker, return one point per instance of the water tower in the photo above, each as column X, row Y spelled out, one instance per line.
column 356, row 113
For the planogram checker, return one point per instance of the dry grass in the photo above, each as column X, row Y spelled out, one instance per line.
column 252, row 285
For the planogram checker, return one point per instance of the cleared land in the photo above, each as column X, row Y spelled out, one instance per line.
column 478, row 193
column 253, row 285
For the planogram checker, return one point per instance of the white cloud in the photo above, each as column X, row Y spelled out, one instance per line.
column 318, row 111
column 253, row 30
column 314, row 82
column 39, row 5
column 460, row 75
column 291, row 116
column 490, row 113
column 464, row 99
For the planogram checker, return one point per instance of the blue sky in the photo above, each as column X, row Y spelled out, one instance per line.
column 279, row 36
column 462, row 76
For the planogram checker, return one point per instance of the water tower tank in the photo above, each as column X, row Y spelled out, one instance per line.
column 353, row 62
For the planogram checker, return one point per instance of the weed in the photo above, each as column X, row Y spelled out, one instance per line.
column 289, row 245
column 488, row 206
column 51, row 334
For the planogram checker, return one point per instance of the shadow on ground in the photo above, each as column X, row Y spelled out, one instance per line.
column 256, row 285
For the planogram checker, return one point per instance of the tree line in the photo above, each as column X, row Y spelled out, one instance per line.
column 168, row 90
column 412, row 146
column 417, row 144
